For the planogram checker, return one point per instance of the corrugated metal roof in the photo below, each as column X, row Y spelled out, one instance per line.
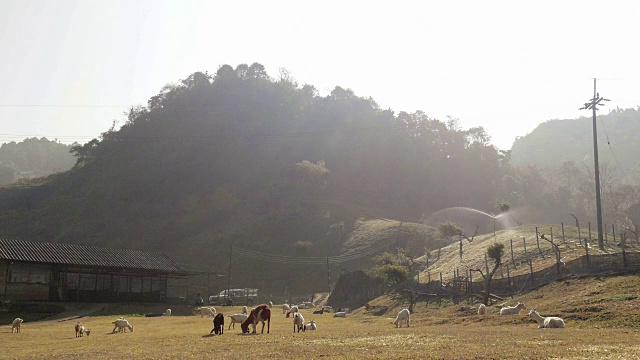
column 67, row 254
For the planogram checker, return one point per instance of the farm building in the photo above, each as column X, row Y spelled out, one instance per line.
column 38, row 271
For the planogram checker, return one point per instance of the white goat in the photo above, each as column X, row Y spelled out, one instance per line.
column 294, row 309
column 244, row 310
column 285, row 308
column 167, row 313
column 15, row 325
column 205, row 311
column 403, row 315
column 121, row 324
column 546, row 322
column 312, row 325
column 512, row 310
column 482, row 309
column 298, row 322
column 270, row 304
column 340, row 314
column 237, row 319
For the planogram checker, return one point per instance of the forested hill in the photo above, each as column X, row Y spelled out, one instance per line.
column 245, row 159
column 557, row 141
column 33, row 158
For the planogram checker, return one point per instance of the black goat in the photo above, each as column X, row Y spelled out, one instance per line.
column 218, row 324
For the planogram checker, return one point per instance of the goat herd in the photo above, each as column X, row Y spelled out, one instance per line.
column 262, row 314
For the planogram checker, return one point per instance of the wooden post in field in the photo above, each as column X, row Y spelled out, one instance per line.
column 508, row 276
column 440, row 278
column 531, row 268
column 613, row 229
column 538, row 243
column 429, row 276
column 439, row 253
column 551, row 232
column 524, row 242
column 501, row 272
column 589, row 230
column 513, row 261
column 586, row 249
column 563, row 239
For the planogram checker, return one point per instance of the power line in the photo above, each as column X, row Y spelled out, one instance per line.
column 624, row 173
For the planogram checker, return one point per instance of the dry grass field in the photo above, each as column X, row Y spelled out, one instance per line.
column 444, row 331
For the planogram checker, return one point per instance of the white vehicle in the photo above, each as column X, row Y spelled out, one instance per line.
column 245, row 296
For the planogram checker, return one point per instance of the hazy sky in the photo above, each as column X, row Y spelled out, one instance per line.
column 68, row 69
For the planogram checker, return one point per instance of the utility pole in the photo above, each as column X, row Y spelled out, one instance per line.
column 593, row 105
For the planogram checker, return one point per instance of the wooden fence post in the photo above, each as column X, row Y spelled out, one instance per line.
column 524, row 242
column 589, row 230
column 563, row 239
column 531, row 268
column 586, row 249
column 513, row 261
column 438, row 254
column 538, row 243
column 508, row 276
column 440, row 278
column 613, row 229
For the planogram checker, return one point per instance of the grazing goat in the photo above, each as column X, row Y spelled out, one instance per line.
column 340, row 314
column 79, row 329
column 294, row 309
column 482, row 309
column 167, row 313
column 312, row 325
column 270, row 304
column 244, row 310
column 321, row 311
column 237, row 319
column 298, row 322
column 403, row 315
column 512, row 310
column 15, row 325
column 121, row 324
column 218, row 324
column 205, row 311
column 546, row 322
column 285, row 308
column 261, row 313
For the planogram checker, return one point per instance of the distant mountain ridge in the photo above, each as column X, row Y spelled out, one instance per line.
column 32, row 158
column 556, row 141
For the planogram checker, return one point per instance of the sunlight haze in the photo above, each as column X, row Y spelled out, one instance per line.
column 70, row 68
